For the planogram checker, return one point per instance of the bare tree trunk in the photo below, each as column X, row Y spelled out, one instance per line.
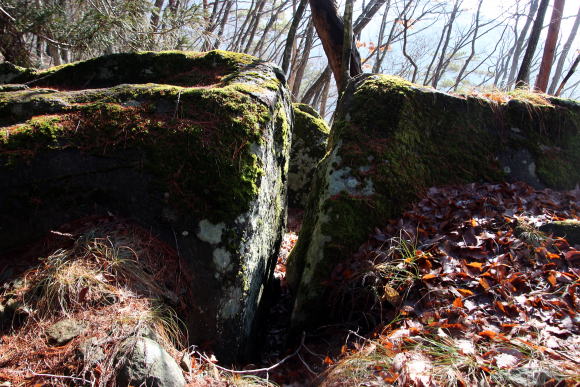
column 366, row 15
column 292, row 35
column 256, row 23
column 524, row 73
column 156, row 14
column 316, row 86
column 54, row 52
column 550, row 46
column 415, row 69
column 377, row 64
column 235, row 44
column 154, row 22
column 519, row 46
column 346, row 48
column 567, row 77
column 299, row 73
column 472, row 53
column 564, row 54
column 439, row 69
column 330, row 29
column 275, row 13
column 223, row 23
column 324, row 98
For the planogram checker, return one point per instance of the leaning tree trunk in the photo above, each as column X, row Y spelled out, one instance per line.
column 564, row 54
column 550, row 46
column 330, row 29
column 568, row 76
column 520, row 42
column 524, row 73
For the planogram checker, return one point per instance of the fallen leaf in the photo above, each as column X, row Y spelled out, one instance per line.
column 465, row 292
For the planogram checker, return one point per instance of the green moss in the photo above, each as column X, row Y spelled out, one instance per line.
column 200, row 150
column 179, row 68
column 552, row 134
column 24, row 140
column 307, row 120
column 405, row 139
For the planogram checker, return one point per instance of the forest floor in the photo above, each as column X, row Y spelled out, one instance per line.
column 463, row 289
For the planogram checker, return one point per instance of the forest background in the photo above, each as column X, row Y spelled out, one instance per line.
column 465, row 46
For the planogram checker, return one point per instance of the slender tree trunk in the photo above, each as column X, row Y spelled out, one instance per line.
column 324, row 98
column 223, row 22
column 346, row 48
column 568, row 76
column 330, row 29
column 318, row 84
column 472, row 53
column 235, row 44
column 564, row 54
column 415, row 69
column 255, row 26
column 366, row 16
column 550, row 46
column 292, row 35
column 377, row 64
column 154, row 21
column 54, row 52
column 299, row 73
column 519, row 46
column 524, row 73
column 439, row 70
column 258, row 49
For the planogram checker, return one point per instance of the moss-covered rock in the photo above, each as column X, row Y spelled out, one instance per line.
column 200, row 156
column 309, row 140
column 391, row 140
column 569, row 229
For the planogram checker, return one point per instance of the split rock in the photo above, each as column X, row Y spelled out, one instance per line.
column 194, row 146
column 392, row 140
column 309, row 140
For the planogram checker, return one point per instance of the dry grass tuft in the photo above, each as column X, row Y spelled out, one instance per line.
column 110, row 281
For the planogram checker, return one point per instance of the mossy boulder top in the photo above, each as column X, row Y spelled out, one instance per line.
column 391, row 140
column 309, row 140
column 193, row 145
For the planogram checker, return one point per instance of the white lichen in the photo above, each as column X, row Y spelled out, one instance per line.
column 209, row 232
column 222, row 259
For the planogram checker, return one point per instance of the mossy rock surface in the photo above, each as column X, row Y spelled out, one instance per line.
column 309, row 140
column 194, row 146
column 391, row 140
column 569, row 229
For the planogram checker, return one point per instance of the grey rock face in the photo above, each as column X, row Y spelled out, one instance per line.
column 145, row 363
column 194, row 146
column 64, row 331
column 309, row 140
column 392, row 140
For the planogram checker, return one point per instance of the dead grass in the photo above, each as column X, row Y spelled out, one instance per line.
column 109, row 280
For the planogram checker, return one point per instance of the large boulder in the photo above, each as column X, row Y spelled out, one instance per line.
column 391, row 140
column 193, row 146
column 309, row 140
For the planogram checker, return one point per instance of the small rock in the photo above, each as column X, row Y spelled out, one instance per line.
column 185, row 362
column 64, row 331
column 569, row 229
column 144, row 362
column 90, row 351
